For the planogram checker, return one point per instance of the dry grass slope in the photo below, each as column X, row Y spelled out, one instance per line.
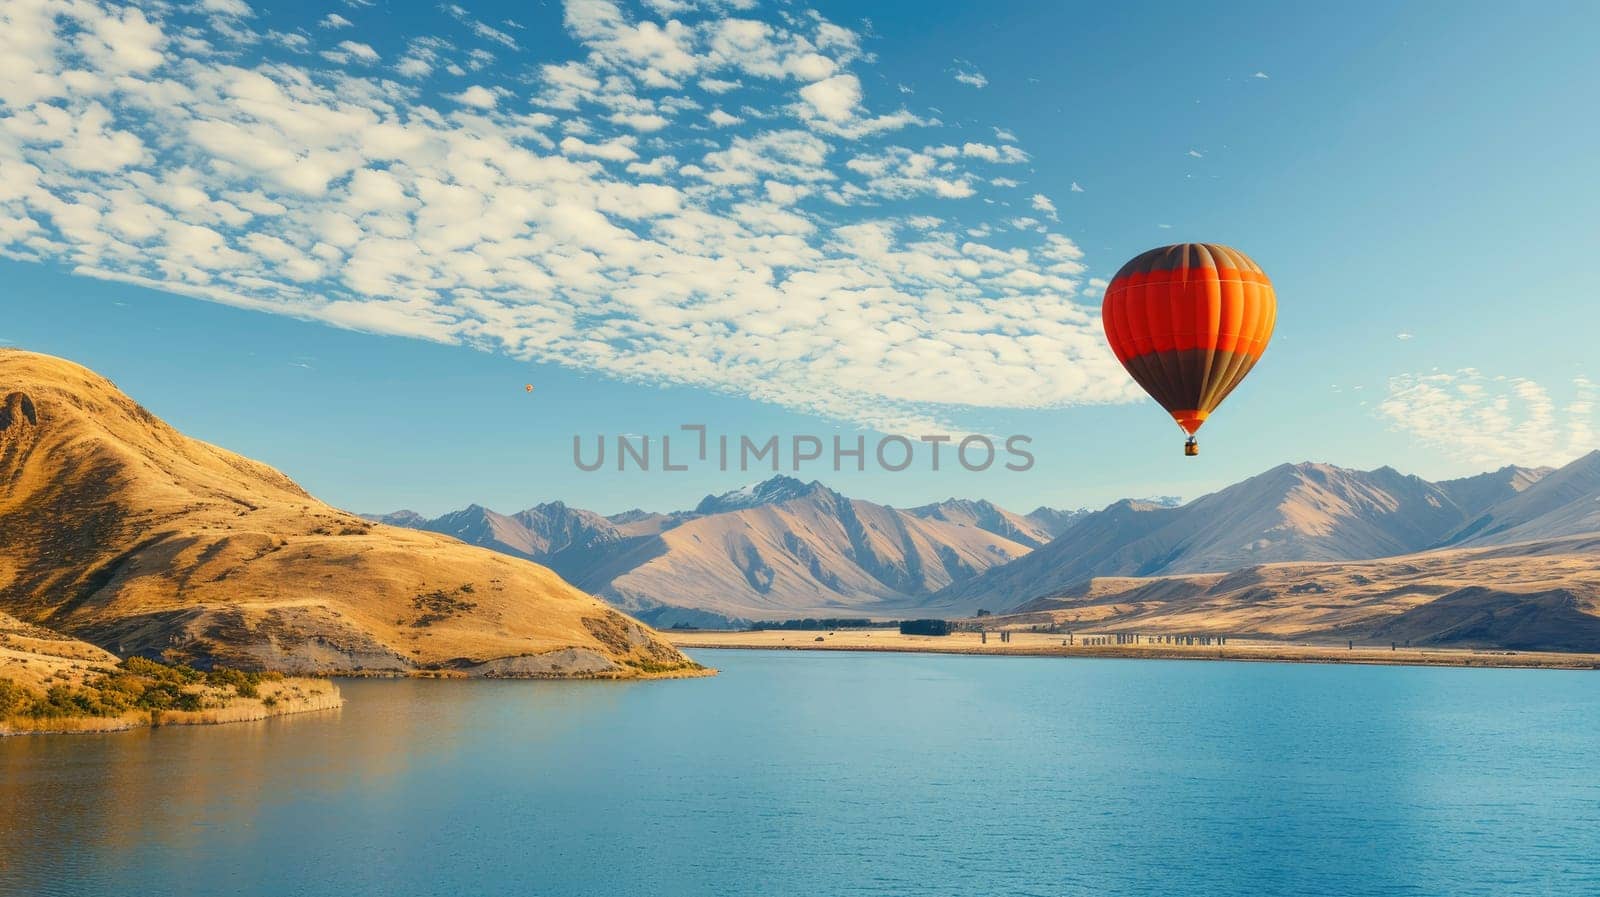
column 1533, row 596
column 117, row 529
column 52, row 683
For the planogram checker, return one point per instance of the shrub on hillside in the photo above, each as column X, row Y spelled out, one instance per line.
column 13, row 698
column 136, row 684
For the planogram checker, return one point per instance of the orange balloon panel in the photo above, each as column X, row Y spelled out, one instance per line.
column 1189, row 321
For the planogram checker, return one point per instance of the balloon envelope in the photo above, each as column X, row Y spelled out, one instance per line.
column 1189, row 321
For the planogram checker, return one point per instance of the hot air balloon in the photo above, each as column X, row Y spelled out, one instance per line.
column 528, row 388
column 1188, row 321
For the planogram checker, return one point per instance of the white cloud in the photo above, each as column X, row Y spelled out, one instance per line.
column 233, row 8
column 1196, row 154
column 592, row 220
column 973, row 78
column 1004, row 135
column 1004, row 155
column 834, row 98
column 480, row 29
column 619, row 149
column 655, row 168
column 1076, row 188
column 413, row 67
column 1404, row 336
column 1262, row 75
column 1492, row 421
column 644, row 122
column 335, row 21
column 1042, row 203
column 348, row 50
column 476, row 95
column 811, row 66
column 293, row 41
column 899, row 172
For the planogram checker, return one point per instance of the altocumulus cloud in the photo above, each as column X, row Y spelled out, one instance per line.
column 1485, row 420
column 810, row 251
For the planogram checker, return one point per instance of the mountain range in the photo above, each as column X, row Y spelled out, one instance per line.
column 1293, row 512
column 783, row 549
column 777, row 549
column 119, row 530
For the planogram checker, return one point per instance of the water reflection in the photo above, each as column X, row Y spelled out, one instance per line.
column 77, row 805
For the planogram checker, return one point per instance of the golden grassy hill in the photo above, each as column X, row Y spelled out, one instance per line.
column 1536, row 596
column 35, row 658
column 117, row 529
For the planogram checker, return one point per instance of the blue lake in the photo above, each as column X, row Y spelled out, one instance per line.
column 797, row 773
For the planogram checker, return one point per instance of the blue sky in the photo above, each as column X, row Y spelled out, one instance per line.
column 341, row 237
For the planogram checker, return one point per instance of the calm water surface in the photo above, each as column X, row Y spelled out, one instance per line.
column 832, row 774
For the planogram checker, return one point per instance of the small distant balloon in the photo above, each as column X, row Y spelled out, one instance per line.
column 528, row 388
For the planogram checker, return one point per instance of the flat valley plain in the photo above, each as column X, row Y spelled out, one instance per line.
column 1043, row 644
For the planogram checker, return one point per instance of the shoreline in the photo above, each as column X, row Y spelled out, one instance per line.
column 290, row 700
column 697, row 671
column 293, row 696
column 1038, row 645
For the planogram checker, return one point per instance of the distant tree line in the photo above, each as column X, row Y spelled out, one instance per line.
column 823, row 623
